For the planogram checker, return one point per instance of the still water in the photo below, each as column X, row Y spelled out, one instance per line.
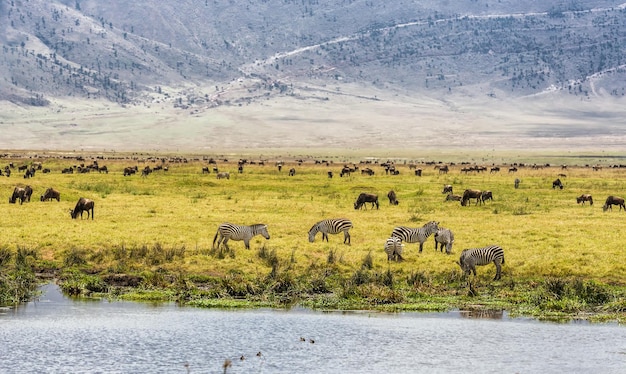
column 57, row 335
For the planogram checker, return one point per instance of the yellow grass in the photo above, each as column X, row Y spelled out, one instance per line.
column 543, row 231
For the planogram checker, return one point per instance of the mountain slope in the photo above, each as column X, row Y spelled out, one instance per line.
column 189, row 58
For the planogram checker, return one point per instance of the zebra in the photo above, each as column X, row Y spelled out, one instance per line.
column 227, row 231
column 414, row 235
column 393, row 248
column 443, row 237
column 470, row 258
column 331, row 226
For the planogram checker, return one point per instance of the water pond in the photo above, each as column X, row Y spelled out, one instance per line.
column 59, row 335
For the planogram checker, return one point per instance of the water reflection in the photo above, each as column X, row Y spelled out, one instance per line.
column 60, row 335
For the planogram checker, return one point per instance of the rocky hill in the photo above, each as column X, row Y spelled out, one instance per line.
column 198, row 55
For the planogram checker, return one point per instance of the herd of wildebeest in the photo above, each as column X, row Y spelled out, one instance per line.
column 444, row 238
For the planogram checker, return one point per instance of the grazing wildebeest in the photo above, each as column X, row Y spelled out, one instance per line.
column 444, row 169
column 613, row 200
column 223, row 174
column 584, row 197
column 447, row 189
column 20, row 193
column 418, row 172
column 392, row 198
column 330, row 174
column 452, row 197
column 50, row 194
column 471, row 194
column 557, row 183
column 513, row 169
column 130, row 170
column 292, row 172
column 366, row 198
column 83, row 205
column 517, row 182
column 103, row 169
column 486, row 195
column 494, row 169
column 205, row 170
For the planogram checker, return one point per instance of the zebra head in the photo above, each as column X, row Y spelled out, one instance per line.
column 431, row 227
column 313, row 232
column 263, row 231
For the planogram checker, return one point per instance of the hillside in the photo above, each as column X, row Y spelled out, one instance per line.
column 205, row 70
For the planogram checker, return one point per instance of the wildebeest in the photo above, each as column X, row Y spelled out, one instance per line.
column 517, row 182
column 557, row 183
column 205, row 170
column 392, row 198
column 613, row 200
column 83, row 205
column 22, row 193
column 584, row 197
column 223, row 174
column 452, row 197
column 486, row 195
column 513, row 169
column 292, row 172
column 130, row 170
column 447, row 189
column 471, row 194
column 330, row 174
column 366, row 198
column 50, row 194
column 418, row 172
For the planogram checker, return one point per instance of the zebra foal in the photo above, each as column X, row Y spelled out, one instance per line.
column 227, row 231
column 393, row 248
column 443, row 237
column 415, row 235
column 331, row 226
column 472, row 257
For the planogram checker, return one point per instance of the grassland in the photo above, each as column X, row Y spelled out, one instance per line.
column 152, row 237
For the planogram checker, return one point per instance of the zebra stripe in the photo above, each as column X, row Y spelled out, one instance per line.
column 443, row 237
column 393, row 248
column 331, row 226
column 415, row 235
column 227, row 231
column 470, row 258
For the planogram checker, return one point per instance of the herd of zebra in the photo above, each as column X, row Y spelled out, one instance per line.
column 393, row 246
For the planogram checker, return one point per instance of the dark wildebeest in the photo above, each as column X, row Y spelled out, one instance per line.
column 205, row 170
column 223, row 174
column 613, row 200
column 50, row 194
column 517, row 182
column 471, row 194
column 584, row 197
column 513, row 169
column 22, row 193
column 557, row 183
column 330, row 174
column 130, row 170
column 418, row 172
column 447, row 189
column 292, row 172
column 366, row 198
column 81, row 206
column 486, row 195
column 392, row 198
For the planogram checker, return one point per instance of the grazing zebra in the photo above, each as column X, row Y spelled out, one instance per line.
column 470, row 258
column 393, row 248
column 443, row 237
column 415, row 235
column 227, row 231
column 452, row 197
column 331, row 226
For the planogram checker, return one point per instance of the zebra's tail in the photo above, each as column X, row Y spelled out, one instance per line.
column 502, row 259
column 218, row 232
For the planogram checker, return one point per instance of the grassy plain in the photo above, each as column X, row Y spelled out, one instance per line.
column 152, row 236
